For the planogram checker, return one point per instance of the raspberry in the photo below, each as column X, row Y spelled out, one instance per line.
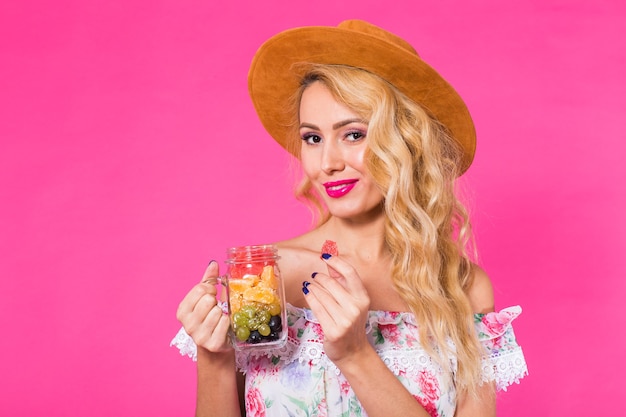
column 330, row 247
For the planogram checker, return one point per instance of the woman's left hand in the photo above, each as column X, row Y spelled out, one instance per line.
column 341, row 303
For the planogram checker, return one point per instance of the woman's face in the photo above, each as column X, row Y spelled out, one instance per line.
column 334, row 142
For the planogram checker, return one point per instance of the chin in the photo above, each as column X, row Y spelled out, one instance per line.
column 356, row 212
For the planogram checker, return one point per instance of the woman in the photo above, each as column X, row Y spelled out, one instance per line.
column 401, row 322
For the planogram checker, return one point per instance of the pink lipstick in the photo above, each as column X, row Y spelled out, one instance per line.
column 336, row 189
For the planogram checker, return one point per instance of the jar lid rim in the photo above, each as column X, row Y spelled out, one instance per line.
column 251, row 253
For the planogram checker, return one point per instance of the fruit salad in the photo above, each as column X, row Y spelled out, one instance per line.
column 255, row 305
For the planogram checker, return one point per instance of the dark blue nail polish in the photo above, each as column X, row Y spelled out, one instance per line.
column 326, row 256
column 306, row 283
column 305, row 290
column 313, row 274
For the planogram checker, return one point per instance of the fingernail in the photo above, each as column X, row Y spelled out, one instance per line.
column 211, row 261
column 305, row 290
column 306, row 283
column 326, row 256
column 313, row 274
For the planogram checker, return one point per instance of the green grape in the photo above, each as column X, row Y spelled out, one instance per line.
column 240, row 319
column 242, row 333
column 253, row 324
column 263, row 316
column 249, row 311
column 264, row 330
column 274, row 309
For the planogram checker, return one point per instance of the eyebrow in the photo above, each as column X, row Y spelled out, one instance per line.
column 336, row 126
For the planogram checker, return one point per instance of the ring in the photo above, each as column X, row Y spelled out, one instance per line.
column 224, row 306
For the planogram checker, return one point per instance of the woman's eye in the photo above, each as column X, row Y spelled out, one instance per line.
column 355, row 136
column 311, row 138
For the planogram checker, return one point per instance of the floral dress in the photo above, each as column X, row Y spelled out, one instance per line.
column 299, row 380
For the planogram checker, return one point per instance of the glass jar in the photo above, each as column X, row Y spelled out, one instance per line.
column 256, row 297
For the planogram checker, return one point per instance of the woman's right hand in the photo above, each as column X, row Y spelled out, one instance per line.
column 201, row 315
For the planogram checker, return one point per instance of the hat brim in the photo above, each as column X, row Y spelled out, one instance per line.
column 271, row 81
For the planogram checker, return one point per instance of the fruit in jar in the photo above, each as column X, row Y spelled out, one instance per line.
column 275, row 324
column 255, row 305
column 274, row 309
column 255, row 337
column 268, row 277
column 242, row 333
column 264, row 330
column 239, row 285
column 260, row 295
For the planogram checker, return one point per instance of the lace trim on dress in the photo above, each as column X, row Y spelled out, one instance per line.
column 375, row 317
column 293, row 350
column 505, row 363
column 185, row 344
column 308, row 345
column 397, row 360
column 505, row 370
column 401, row 361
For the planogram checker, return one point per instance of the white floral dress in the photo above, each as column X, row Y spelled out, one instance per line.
column 299, row 379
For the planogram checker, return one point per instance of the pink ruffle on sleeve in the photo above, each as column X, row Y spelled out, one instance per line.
column 504, row 362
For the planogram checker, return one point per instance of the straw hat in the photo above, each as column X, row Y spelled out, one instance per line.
column 355, row 43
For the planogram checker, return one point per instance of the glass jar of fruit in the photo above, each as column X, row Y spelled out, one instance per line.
column 255, row 297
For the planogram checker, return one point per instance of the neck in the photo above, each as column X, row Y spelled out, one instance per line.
column 363, row 240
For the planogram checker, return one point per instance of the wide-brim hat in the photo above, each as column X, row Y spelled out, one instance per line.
column 356, row 43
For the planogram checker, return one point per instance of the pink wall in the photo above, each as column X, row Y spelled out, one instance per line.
column 131, row 156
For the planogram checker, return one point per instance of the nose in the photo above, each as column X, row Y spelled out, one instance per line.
column 332, row 159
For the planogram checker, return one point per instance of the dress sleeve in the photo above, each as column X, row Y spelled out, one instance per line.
column 185, row 344
column 504, row 362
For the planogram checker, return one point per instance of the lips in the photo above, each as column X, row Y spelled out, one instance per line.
column 336, row 189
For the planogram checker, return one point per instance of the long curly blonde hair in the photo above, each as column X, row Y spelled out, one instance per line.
column 415, row 163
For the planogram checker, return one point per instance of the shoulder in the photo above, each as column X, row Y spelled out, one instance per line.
column 480, row 292
column 294, row 250
column 300, row 253
column 306, row 244
column 298, row 259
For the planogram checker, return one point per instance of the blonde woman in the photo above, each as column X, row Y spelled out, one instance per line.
column 400, row 322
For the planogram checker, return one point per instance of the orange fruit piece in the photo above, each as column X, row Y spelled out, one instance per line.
column 269, row 277
column 259, row 294
column 236, row 302
column 238, row 286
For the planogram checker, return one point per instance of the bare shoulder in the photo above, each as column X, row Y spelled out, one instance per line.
column 294, row 251
column 480, row 292
column 299, row 258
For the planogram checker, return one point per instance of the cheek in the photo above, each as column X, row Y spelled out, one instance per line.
column 357, row 160
column 308, row 165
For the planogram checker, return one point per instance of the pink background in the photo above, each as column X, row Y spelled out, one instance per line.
column 131, row 156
